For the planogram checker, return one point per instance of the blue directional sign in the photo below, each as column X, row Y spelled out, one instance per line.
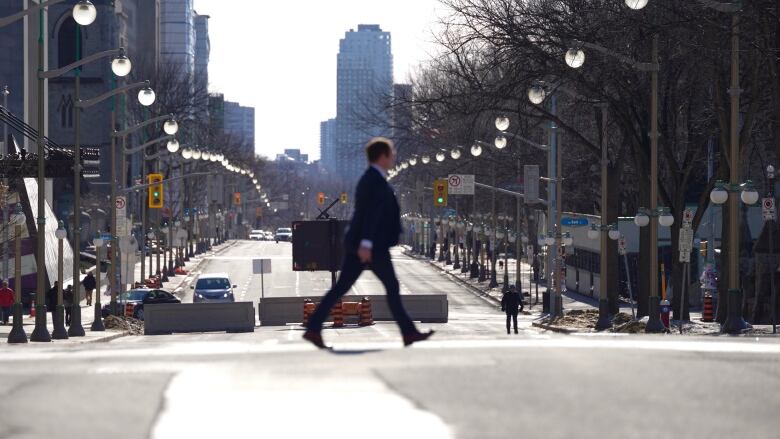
column 574, row 222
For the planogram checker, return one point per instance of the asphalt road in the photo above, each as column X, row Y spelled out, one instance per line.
column 470, row 381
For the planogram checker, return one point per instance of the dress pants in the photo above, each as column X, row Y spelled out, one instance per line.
column 350, row 271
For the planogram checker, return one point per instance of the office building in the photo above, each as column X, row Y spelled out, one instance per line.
column 240, row 124
column 328, row 144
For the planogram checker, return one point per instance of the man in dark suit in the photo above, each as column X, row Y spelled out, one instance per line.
column 511, row 304
column 375, row 227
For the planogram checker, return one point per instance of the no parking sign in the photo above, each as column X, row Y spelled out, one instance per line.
column 768, row 209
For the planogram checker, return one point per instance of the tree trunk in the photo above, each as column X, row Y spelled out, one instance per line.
column 643, row 283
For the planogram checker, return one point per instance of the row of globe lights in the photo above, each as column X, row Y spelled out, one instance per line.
column 196, row 154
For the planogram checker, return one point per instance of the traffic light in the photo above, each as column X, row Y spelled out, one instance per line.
column 321, row 198
column 440, row 193
column 155, row 191
column 343, row 198
column 237, row 198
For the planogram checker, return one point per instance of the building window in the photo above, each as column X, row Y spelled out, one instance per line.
column 66, row 42
column 66, row 111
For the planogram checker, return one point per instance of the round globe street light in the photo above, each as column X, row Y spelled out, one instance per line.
column 641, row 219
column 476, row 150
column 575, row 58
column 426, row 159
column 502, row 123
column 568, row 241
column 146, row 96
column 614, row 234
column 84, row 12
column 593, row 233
column 173, row 145
column 749, row 194
column 214, row 157
column 404, row 165
column 196, row 154
column 549, row 240
column 536, row 94
column 665, row 219
column 455, row 153
column 149, row 235
column 254, row 181
column 171, row 127
column 636, row 4
column 186, row 153
column 719, row 194
column 61, row 233
column 206, row 156
column 121, row 65
column 413, row 160
column 500, row 142
column 439, row 156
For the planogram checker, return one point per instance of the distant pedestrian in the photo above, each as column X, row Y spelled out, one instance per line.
column 67, row 300
column 6, row 300
column 374, row 229
column 89, row 284
column 51, row 298
column 511, row 304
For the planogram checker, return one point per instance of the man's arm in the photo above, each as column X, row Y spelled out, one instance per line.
column 373, row 202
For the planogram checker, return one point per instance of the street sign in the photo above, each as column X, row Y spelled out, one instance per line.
column 531, row 183
column 261, row 266
column 768, row 210
column 686, row 240
column 461, row 184
column 120, row 203
column 687, row 217
column 622, row 246
column 574, row 222
column 685, row 257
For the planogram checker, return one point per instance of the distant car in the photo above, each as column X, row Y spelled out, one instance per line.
column 140, row 297
column 283, row 234
column 257, row 235
column 269, row 236
column 215, row 287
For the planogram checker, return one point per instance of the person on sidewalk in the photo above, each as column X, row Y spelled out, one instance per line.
column 89, row 284
column 51, row 298
column 6, row 301
column 67, row 301
column 511, row 304
column 374, row 228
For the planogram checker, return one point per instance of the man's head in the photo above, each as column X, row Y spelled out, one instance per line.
column 5, row 284
column 380, row 151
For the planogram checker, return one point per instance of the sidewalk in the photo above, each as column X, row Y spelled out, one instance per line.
column 174, row 285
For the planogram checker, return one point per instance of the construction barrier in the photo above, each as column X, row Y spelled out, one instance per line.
column 708, row 312
column 129, row 309
column 337, row 314
column 169, row 318
column 366, row 317
column 308, row 309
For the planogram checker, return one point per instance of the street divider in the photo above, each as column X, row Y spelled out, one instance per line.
column 425, row 308
column 169, row 318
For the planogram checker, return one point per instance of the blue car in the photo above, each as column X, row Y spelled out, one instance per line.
column 213, row 288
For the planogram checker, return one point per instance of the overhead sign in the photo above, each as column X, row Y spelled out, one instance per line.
column 531, row 183
column 461, row 184
column 574, row 222
column 768, row 209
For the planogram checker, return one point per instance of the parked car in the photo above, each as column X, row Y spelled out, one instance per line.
column 257, row 235
column 140, row 297
column 283, row 234
column 214, row 287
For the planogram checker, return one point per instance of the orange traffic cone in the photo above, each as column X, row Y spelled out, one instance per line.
column 32, row 308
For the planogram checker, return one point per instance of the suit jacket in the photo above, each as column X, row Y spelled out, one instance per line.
column 377, row 216
column 511, row 301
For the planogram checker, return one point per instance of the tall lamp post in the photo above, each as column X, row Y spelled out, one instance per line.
column 58, row 319
column 97, row 322
column 17, row 334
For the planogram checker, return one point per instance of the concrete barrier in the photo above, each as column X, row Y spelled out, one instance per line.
column 167, row 318
column 426, row 308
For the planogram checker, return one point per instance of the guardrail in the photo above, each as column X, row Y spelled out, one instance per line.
column 425, row 308
column 168, row 318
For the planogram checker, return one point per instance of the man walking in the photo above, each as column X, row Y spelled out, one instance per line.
column 512, row 304
column 89, row 284
column 375, row 227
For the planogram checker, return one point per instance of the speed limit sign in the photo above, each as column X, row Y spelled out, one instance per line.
column 768, row 210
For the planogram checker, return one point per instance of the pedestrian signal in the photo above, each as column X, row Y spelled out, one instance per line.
column 155, row 190
column 343, row 198
column 237, row 198
column 440, row 193
column 321, row 198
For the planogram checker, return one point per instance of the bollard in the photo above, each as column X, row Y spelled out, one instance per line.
column 666, row 308
column 708, row 311
column 366, row 316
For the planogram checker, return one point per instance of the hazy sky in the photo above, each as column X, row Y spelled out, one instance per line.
column 280, row 57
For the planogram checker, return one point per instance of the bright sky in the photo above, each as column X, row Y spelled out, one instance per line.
column 280, row 57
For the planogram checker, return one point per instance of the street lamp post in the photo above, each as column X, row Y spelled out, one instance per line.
column 97, row 322
column 17, row 334
column 58, row 318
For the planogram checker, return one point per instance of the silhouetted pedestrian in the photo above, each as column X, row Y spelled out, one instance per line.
column 511, row 304
column 89, row 284
column 67, row 300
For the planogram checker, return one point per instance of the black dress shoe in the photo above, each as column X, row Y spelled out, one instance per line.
column 315, row 338
column 417, row 336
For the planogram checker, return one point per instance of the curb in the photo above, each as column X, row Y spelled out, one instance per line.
column 179, row 288
column 558, row 329
column 107, row 339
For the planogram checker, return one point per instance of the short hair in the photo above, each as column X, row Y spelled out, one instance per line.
column 378, row 147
